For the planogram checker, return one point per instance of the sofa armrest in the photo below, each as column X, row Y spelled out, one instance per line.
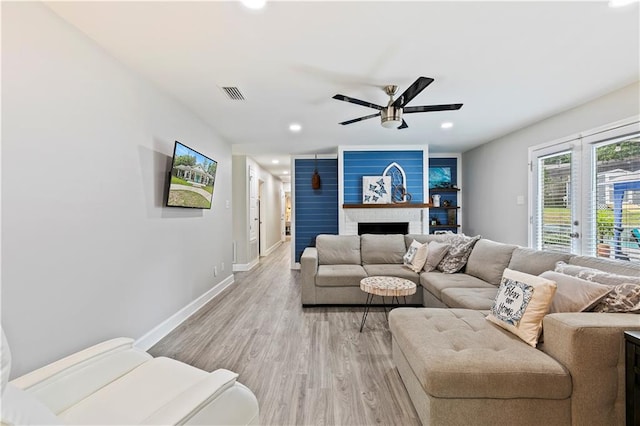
column 591, row 346
column 63, row 383
column 308, row 270
column 213, row 400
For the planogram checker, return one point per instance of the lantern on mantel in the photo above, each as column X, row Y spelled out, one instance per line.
column 315, row 179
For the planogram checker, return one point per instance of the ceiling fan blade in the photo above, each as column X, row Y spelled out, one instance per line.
column 412, row 91
column 429, row 108
column 403, row 125
column 356, row 101
column 355, row 120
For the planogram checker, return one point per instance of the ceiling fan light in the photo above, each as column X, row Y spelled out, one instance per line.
column 391, row 117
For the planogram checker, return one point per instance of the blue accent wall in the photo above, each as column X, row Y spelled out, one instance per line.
column 316, row 210
column 373, row 163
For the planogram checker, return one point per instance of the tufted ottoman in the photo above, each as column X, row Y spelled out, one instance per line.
column 459, row 369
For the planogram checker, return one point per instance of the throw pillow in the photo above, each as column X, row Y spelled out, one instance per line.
column 521, row 303
column 595, row 275
column 457, row 256
column 623, row 298
column 416, row 256
column 574, row 294
column 435, row 253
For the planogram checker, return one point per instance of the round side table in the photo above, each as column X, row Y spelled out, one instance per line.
column 385, row 286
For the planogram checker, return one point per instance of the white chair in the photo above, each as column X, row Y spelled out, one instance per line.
column 115, row 383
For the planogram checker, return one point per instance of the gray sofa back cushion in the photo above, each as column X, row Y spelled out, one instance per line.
column 377, row 249
column 612, row 266
column 488, row 260
column 421, row 238
column 338, row 249
column 535, row 262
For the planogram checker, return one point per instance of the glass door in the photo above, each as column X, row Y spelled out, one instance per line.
column 556, row 219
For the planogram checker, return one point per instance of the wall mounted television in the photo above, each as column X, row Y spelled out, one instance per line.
column 192, row 179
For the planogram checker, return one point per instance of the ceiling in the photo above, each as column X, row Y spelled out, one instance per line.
column 510, row 63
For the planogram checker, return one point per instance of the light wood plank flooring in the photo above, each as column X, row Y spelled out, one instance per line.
column 305, row 366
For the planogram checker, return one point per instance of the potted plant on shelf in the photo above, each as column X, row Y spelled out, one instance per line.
column 604, row 227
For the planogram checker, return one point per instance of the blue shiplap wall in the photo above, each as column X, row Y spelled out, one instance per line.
column 316, row 211
column 373, row 163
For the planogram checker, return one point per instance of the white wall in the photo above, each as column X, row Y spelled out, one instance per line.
column 496, row 173
column 89, row 251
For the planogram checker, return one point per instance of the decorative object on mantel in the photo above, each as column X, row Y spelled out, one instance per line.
column 315, row 179
column 400, row 195
column 376, row 189
column 398, row 179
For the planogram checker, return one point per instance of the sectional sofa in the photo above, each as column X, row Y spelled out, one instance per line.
column 458, row 366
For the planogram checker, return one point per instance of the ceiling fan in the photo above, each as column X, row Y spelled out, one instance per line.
column 391, row 115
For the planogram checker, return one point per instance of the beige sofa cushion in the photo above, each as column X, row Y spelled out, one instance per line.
column 596, row 275
column 535, row 262
column 338, row 249
column 340, row 275
column 378, row 249
column 618, row 267
column 399, row 271
column 480, row 299
column 456, row 353
column 422, row 238
column 488, row 260
column 435, row 282
column 574, row 294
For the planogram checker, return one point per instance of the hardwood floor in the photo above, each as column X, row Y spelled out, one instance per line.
column 305, row 366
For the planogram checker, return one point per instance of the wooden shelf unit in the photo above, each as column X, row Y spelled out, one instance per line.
column 451, row 212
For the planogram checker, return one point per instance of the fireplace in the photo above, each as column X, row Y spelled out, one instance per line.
column 383, row 228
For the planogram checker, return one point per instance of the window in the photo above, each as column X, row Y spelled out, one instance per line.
column 586, row 194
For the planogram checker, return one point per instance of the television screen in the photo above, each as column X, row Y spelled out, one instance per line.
column 192, row 178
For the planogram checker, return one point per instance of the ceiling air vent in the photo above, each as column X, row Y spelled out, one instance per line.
column 233, row 93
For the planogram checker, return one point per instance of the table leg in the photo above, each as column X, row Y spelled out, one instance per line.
column 367, row 306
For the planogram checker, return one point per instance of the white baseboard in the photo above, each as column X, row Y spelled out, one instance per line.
column 165, row 327
column 243, row 267
column 272, row 248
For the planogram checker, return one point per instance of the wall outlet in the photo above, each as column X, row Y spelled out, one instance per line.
column 215, row 271
column 222, row 266
column 227, row 204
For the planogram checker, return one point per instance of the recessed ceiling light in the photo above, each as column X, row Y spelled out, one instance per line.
column 620, row 3
column 254, row 4
column 295, row 127
column 446, row 125
column 275, row 161
column 285, row 172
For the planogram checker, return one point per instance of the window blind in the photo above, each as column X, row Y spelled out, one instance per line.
column 614, row 201
column 554, row 215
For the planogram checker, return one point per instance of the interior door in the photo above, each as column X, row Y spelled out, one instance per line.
column 253, row 205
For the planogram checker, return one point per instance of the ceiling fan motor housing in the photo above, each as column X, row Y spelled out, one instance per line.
column 391, row 116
